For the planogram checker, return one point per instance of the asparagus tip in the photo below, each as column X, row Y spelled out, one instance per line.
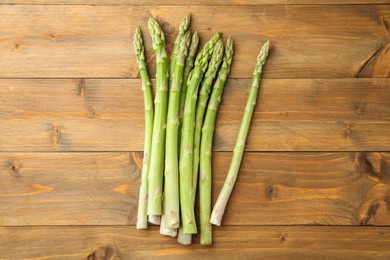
column 264, row 52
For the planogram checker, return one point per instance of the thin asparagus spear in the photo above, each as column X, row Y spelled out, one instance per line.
column 205, row 180
column 142, row 221
column 171, row 184
column 187, row 136
column 203, row 97
column 187, row 69
column 155, row 176
column 185, row 24
column 219, row 208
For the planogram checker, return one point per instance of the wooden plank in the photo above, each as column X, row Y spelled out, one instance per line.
column 272, row 188
column 192, row 3
column 229, row 243
column 107, row 115
column 326, row 41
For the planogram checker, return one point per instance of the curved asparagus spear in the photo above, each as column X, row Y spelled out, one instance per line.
column 203, row 97
column 142, row 220
column 205, row 180
column 187, row 137
column 219, row 208
column 185, row 24
column 155, row 176
column 171, row 183
column 187, row 69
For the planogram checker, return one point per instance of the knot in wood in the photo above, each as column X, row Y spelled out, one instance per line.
column 372, row 164
column 102, row 253
column 270, row 192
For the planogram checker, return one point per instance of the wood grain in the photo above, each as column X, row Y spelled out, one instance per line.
column 272, row 188
column 107, row 115
column 229, row 243
column 309, row 41
column 192, row 3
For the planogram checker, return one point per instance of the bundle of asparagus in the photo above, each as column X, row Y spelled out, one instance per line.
column 179, row 129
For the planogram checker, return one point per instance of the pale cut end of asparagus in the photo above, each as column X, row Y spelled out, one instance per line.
column 172, row 232
column 216, row 217
column 154, row 219
column 184, row 239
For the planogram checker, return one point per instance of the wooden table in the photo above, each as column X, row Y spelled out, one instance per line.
column 315, row 178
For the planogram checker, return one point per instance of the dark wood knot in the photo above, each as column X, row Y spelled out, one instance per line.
column 270, row 192
column 102, row 253
column 372, row 164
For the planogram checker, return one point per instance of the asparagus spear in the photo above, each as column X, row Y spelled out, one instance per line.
column 205, row 181
column 185, row 24
column 219, row 208
column 172, row 206
column 142, row 222
column 187, row 69
column 187, row 136
column 155, row 176
column 204, row 93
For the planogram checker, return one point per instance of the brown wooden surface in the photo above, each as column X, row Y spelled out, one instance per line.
column 68, row 41
column 318, row 152
column 189, row 2
column 272, row 189
column 107, row 115
column 238, row 242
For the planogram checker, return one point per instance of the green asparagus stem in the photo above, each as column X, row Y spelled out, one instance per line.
column 155, row 176
column 142, row 219
column 171, row 186
column 187, row 136
column 203, row 97
column 205, row 180
column 185, row 24
column 227, row 188
column 187, row 69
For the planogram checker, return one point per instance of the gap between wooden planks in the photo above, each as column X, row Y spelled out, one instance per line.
column 229, row 243
column 107, row 115
column 309, row 41
column 99, row 188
